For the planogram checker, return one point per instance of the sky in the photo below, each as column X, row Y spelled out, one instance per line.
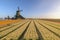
column 31, row 8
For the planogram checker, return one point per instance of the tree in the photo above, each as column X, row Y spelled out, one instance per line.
column 8, row 17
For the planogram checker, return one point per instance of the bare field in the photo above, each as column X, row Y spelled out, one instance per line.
column 30, row 30
column 53, row 20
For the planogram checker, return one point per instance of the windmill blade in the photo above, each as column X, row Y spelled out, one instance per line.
column 21, row 10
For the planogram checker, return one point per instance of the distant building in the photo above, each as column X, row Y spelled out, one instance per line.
column 7, row 18
column 1, row 18
column 18, row 16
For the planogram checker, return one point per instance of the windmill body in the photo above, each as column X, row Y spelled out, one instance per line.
column 18, row 16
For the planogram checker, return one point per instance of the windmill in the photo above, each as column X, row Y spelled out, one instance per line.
column 18, row 15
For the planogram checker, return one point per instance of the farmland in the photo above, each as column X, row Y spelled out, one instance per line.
column 53, row 20
column 29, row 29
